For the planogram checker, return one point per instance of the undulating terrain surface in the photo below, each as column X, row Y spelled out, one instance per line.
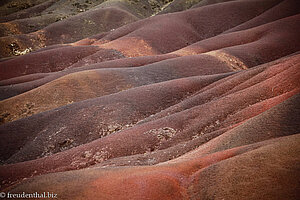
column 150, row 99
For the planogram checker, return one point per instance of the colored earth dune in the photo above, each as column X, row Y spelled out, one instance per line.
column 150, row 99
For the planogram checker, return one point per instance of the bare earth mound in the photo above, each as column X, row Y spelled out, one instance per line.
column 158, row 99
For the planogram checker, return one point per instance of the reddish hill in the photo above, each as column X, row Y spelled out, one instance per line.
column 197, row 104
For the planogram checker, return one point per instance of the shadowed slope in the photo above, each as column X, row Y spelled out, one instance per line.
column 251, row 39
column 180, row 5
column 72, row 89
column 29, row 12
column 57, row 22
column 18, row 85
column 10, row 6
column 214, row 175
column 198, row 104
column 147, row 43
column 156, row 134
column 283, row 9
column 188, row 26
column 260, row 41
column 246, row 176
column 90, row 84
column 68, row 30
column 147, row 100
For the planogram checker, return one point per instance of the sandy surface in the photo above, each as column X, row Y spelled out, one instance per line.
column 136, row 99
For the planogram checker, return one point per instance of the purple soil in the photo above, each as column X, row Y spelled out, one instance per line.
column 197, row 104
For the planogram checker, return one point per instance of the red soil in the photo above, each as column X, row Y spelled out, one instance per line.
column 198, row 104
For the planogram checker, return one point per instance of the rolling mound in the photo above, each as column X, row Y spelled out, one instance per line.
column 138, row 99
